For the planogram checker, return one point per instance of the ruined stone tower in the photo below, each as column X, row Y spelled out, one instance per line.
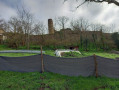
column 50, row 26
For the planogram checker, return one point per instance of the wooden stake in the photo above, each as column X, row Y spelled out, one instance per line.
column 96, row 68
column 42, row 64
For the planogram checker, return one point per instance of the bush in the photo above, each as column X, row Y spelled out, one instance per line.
column 53, row 47
column 32, row 47
column 115, row 37
column 71, row 54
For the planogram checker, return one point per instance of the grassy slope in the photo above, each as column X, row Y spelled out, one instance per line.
column 51, row 52
column 103, row 54
column 50, row 81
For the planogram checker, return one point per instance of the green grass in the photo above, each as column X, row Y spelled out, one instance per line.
column 85, row 54
column 102, row 54
column 51, row 52
column 72, row 55
column 51, row 81
column 4, row 47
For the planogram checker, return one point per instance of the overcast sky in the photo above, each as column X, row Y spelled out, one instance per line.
column 43, row 9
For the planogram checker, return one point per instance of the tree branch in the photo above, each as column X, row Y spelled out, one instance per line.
column 81, row 4
column 108, row 1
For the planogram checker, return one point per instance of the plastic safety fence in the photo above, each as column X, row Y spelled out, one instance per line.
column 108, row 67
column 66, row 66
column 21, row 64
column 69, row 66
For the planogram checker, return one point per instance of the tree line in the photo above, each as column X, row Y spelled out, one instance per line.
column 23, row 30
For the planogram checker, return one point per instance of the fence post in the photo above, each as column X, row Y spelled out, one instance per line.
column 42, row 64
column 96, row 68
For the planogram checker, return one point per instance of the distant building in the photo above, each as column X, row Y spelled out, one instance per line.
column 2, row 36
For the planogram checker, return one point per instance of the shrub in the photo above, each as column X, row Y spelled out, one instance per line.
column 71, row 54
column 115, row 37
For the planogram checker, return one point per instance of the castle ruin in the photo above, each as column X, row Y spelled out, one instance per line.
column 50, row 26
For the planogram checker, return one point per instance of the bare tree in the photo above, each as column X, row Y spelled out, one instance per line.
column 39, row 29
column 94, row 29
column 1, row 23
column 21, row 26
column 15, row 36
column 15, row 25
column 75, row 25
column 26, row 19
column 81, row 25
column 102, row 30
column 62, row 21
column 84, row 28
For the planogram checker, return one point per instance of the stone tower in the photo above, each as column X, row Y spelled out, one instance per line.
column 50, row 26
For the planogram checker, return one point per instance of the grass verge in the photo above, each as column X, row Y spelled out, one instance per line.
column 51, row 81
column 85, row 54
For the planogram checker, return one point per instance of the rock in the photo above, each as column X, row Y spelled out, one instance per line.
column 60, row 52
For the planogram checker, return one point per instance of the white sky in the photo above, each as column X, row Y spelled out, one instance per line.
column 107, row 14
